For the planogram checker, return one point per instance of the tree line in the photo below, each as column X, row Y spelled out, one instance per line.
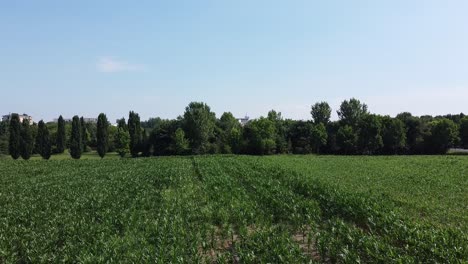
column 199, row 131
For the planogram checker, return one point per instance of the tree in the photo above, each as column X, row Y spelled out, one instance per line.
column 393, row 135
column 464, row 132
column 14, row 146
column 102, row 135
column 162, row 137
column 416, row 132
column 370, row 134
column 351, row 112
column 281, row 131
column 145, row 144
column 134, row 130
column 61, row 136
column 300, row 137
column 181, row 143
column 346, row 139
column 75, row 139
column 199, row 124
column 122, row 142
column 235, row 139
column 43, row 145
column 84, row 135
column 26, row 141
column 444, row 135
column 122, row 124
column 319, row 136
column 226, row 124
column 261, row 135
column 321, row 113
column 3, row 137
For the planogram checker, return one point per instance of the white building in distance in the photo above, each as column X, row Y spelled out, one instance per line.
column 6, row 118
column 243, row 120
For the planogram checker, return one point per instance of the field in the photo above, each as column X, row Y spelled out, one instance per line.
column 235, row 209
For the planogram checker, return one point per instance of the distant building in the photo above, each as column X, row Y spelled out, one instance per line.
column 6, row 118
column 243, row 120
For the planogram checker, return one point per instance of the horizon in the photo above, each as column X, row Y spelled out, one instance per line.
column 246, row 58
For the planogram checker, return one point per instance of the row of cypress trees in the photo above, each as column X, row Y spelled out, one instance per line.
column 21, row 141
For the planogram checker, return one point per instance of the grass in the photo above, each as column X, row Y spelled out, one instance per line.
column 273, row 209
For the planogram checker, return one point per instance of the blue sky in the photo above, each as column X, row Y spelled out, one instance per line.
column 243, row 56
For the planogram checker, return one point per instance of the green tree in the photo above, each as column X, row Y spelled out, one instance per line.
column 416, row 132
column 351, row 112
column 162, row 137
column 102, row 135
column 393, row 135
column 61, row 135
column 122, row 124
column 122, row 142
column 134, row 129
column 14, row 146
column 321, row 113
column 226, row 124
column 181, row 143
column 145, row 144
column 370, row 134
column 300, row 137
column 281, row 131
column 27, row 142
column 199, row 125
column 261, row 135
column 235, row 139
column 3, row 137
column 75, row 139
column 444, row 135
column 84, row 135
column 347, row 139
column 464, row 132
column 43, row 145
column 319, row 136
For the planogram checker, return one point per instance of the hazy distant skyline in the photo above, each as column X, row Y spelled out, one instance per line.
column 247, row 57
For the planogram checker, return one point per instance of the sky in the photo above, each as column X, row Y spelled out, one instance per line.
column 244, row 56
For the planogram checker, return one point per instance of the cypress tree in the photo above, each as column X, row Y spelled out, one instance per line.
column 84, row 134
column 134, row 130
column 26, row 140
column 75, row 140
column 15, row 137
column 102, row 135
column 43, row 145
column 61, row 136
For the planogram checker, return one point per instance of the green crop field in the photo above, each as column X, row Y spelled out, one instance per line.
column 235, row 209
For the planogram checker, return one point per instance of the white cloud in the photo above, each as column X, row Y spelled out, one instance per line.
column 111, row 65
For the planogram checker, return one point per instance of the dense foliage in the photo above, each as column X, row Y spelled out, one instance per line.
column 235, row 209
column 75, row 138
column 43, row 145
column 14, row 146
column 198, row 131
column 61, row 135
column 102, row 135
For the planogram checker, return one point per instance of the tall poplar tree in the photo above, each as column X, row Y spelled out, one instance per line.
column 15, row 137
column 75, row 140
column 84, row 134
column 134, row 130
column 102, row 135
column 26, row 141
column 61, row 136
column 43, row 145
